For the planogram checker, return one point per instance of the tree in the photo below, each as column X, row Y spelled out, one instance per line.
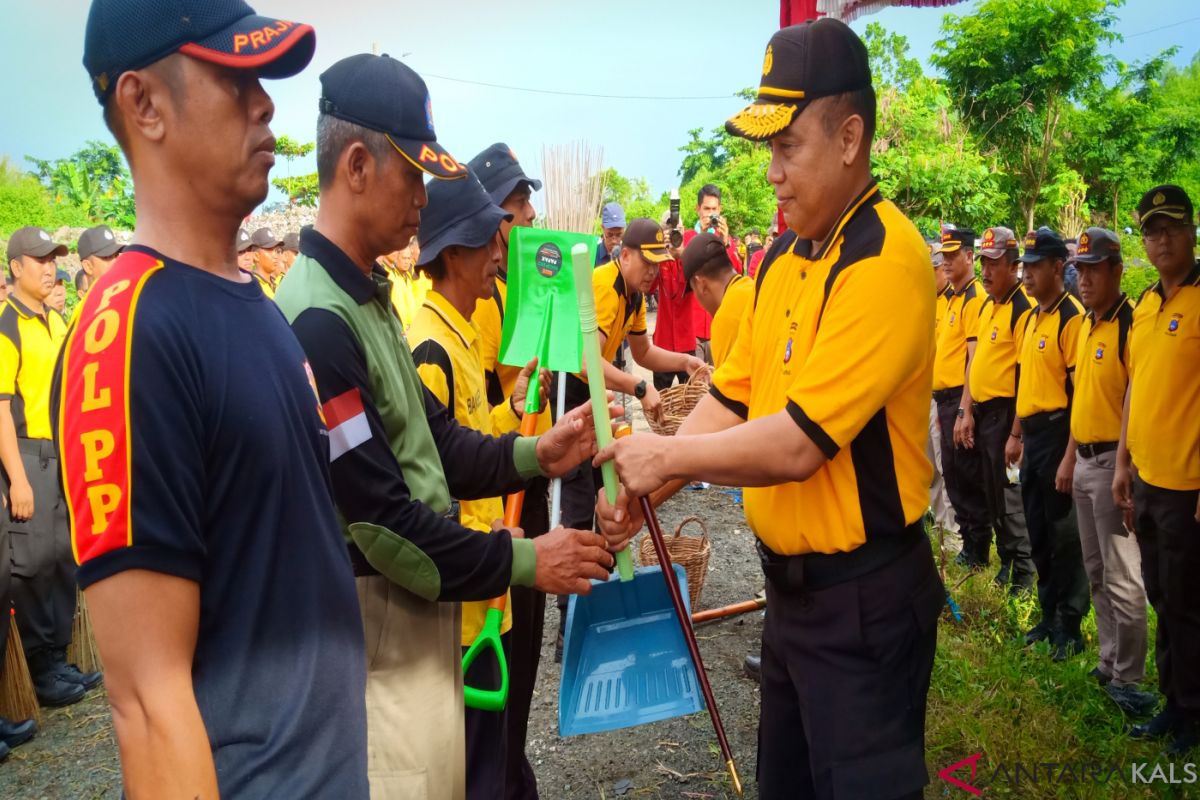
column 94, row 180
column 631, row 194
column 302, row 190
column 1013, row 68
column 923, row 157
column 738, row 168
column 25, row 201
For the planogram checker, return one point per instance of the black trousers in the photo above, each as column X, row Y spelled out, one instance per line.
column 1006, row 512
column 663, row 380
column 43, row 566
column 1169, row 539
column 845, row 675
column 486, row 732
column 525, row 651
column 1062, row 584
column 963, row 472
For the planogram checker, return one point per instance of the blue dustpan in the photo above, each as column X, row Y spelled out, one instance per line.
column 625, row 661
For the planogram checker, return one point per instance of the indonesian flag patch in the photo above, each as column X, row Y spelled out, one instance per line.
column 347, row 421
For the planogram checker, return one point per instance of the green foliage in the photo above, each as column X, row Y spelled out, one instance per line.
column 1014, row 67
column 25, row 201
column 301, row 190
column 738, row 168
column 290, row 149
column 93, row 180
column 632, row 194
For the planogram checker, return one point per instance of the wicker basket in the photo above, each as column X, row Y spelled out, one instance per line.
column 689, row 552
column 678, row 402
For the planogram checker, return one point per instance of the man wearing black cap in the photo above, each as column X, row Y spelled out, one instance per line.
column 993, row 380
column 962, row 463
column 397, row 457
column 1110, row 552
column 245, row 254
column 510, row 188
column 831, row 376
column 195, row 468
column 460, row 251
column 1157, row 480
column 266, row 250
column 1042, row 433
column 719, row 289
column 291, row 249
column 98, row 248
column 31, row 333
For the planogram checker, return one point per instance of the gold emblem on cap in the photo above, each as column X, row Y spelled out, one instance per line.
column 1085, row 244
column 102, row 81
column 763, row 120
column 1159, row 199
column 1031, row 239
column 658, row 237
column 768, row 60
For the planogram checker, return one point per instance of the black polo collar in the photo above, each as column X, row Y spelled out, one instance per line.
column 1111, row 314
column 345, row 273
column 948, row 292
column 1192, row 279
column 1057, row 304
column 867, row 198
column 1010, row 294
column 962, row 291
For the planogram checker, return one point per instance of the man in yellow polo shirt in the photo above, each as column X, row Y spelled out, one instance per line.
column 266, row 249
column 993, row 381
column 830, row 375
column 1049, row 345
column 1158, row 466
column 460, row 252
column 43, row 566
column 1110, row 552
column 723, row 293
column 962, row 466
column 939, row 501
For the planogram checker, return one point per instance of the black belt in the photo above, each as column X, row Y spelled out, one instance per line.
column 944, row 395
column 1002, row 403
column 1099, row 448
column 363, row 568
column 813, row 571
column 1044, row 421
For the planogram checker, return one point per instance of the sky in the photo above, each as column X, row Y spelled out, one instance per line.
column 622, row 47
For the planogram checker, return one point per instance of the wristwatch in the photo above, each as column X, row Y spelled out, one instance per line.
column 961, row 412
column 639, row 391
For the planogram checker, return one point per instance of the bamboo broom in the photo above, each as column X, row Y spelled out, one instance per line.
column 83, row 652
column 18, row 701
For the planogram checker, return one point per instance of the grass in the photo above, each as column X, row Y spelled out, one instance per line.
column 990, row 694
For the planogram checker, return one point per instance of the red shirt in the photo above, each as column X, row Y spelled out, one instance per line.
column 673, row 328
column 701, row 319
column 755, row 261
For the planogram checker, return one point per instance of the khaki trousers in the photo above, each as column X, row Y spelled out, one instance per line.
column 1114, row 569
column 416, row 746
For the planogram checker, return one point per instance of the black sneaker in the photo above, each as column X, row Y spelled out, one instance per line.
column 1132, row 700
column 1038, row 633
column 3, row 751
column 1068, row 646
column 752, row 666
column 1102, row 677
column 72, row 673
column 53, row 691
column 1163, row 724
column 1004, row 576
column 962, row 559
column 13, row 734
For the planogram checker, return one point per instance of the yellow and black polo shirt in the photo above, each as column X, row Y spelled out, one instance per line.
column 1164, row 365
column 617, row 315
column 1101, row 375
column 954, row 331
column 29, row 345
column 446, row 352
column 739, row 296
column 267, row 286
column 852, row 366
column 941, row 306
column 1049, row 344
column 994, row 370
column 500, row 379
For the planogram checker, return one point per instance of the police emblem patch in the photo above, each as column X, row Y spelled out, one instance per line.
column 995, row 331
column 1042, row 343
column 787, row 352
column 1173, row 325
column 1099, row 353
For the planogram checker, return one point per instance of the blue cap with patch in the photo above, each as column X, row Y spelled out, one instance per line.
column 124, row 35
column 385, row 95
column 500, row 173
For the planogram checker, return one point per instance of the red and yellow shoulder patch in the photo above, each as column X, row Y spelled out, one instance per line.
column 93, row 415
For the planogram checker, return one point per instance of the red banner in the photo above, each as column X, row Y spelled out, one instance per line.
column 794, row 12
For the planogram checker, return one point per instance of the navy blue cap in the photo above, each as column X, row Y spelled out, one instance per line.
column 458, row 213
column 385, row 95
column 612, row 216
column 1043, row 243
column 500, row 173
column 62, row 276
column 125, row 35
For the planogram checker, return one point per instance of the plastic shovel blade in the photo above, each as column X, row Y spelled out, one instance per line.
column 625, row 661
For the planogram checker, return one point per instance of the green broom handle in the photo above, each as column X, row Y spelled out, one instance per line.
column 595, row 371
